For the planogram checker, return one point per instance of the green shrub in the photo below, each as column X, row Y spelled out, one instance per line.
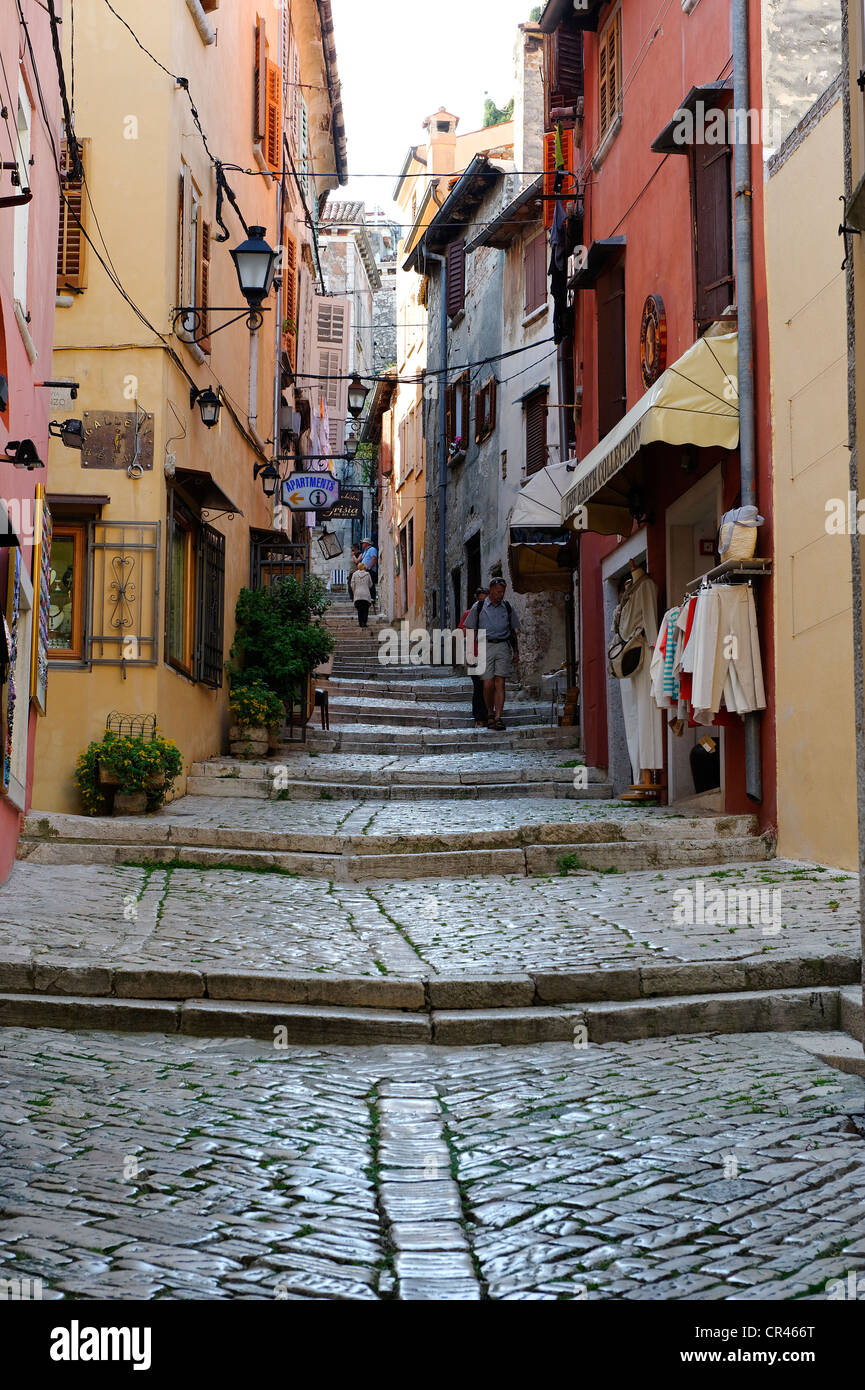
column 137, row 764
column 280, row 639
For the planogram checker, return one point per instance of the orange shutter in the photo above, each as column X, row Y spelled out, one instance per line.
column 203, row 331
column 273, row 121
column 289, row 276
column 70, row 244
column 259, row 124
column 569, row 187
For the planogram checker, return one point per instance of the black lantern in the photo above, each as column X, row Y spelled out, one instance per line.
column 329, row 544
column 357, row 394
column 23, row 453
column 255, row 263
column 351, row 447
column 269, row 475
column 69, row 432
column 208, row 403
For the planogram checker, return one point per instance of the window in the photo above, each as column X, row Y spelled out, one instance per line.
column 195, row 595
column 612, row 386
column 455, row 277
column 457, row 401
column 535, row 407
column 411, row 542
column 711, row 192
column 22, row 213
column 289, row 277
column 485, row 410
column 193, row 263
column 609, row 73
column 70, row 242
column 66, row 592
column 535, row 270
column 331, row 322
column 473, row 566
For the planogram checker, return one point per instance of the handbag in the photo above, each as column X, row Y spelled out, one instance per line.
column 626, row 655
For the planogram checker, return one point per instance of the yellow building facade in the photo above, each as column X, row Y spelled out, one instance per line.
column 157, row 517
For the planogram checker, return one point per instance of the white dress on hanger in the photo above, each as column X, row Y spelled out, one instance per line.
column 643, row 720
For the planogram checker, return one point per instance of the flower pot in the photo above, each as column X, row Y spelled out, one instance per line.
column 107, row 778
column 249, row 741
column 130, row 803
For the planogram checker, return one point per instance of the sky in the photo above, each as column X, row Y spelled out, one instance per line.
column 400, row 60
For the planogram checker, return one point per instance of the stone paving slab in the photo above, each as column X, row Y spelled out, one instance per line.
column 710, row 1168
column 194, row 918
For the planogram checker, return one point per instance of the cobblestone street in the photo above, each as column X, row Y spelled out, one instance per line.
column 689, row 1168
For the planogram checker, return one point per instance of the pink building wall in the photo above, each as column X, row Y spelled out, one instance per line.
column 27, row 414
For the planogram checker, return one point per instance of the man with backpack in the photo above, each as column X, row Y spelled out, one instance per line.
column 497, row 619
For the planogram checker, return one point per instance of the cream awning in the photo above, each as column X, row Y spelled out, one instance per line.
column 695, row 401
column 542, row 552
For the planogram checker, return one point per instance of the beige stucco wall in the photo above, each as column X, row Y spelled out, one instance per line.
column 813, row 628
column 101, row 344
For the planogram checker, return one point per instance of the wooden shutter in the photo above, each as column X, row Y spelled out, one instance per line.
column 203, row 297
column 289, row 275
column 536, row 273
column 536, row 432
column 273, row 118
column 259, row 124
column 330, row 322
column 569, row 184
column 209, row 606
column 71, row 243
column 564, row 61
column 450, row 414
column 612, row 393
column 330, row 368
column 713, row 231
column 465, row 386
column 456, row 277
column 492, row 391
column 610, row 71
column 185, row 292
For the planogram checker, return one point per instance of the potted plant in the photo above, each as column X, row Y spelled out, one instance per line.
column 258, row 713
column 141, row 772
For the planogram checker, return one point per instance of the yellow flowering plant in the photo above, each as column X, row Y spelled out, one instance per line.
column 256, row 705
column 134, row 764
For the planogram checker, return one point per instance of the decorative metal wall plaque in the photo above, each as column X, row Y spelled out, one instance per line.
column 111, row 439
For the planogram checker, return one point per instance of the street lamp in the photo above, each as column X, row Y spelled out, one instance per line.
column 357, row 394
column 351, row 447
column 255, row 263
column 208, row 403
column 269, row 475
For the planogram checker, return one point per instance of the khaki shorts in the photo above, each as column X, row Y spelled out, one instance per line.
column 500, row 660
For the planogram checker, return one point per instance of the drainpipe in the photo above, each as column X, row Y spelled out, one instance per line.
column 745, row 297
column 855, row 482
column 443, row 445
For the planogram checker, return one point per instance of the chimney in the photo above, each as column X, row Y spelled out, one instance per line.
column 529, row 102
column 442, row 143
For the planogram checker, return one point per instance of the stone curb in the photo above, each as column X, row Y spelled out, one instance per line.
column 21, row 973
column 804, row 1010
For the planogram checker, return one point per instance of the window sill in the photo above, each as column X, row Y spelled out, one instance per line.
column 455, row 320
column 607, row 142
column 29, row 345
column 457, row 458
column 64, row 301
column 202, row 23
column 536, row 316
column 68, row 664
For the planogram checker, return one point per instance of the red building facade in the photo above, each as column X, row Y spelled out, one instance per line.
column 656, row 272
column 30, row 134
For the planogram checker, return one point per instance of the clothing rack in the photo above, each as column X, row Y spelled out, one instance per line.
column 731, row 572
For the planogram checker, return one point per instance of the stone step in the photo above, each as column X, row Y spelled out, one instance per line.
column 367, row 771
column 404, row 741
column 455, row 691
column 809, row 1011
column 307, row 790
column 520, row 852
column 424, row 716
column 852, row 1013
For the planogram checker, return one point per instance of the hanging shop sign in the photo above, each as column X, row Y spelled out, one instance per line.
column 310, row 492
column 653, row 339
column 348, row 508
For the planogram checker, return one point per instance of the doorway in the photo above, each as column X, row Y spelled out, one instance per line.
column 692, row 531
column 473, row 566
column 457, row 586
column 403, row 573
column 615, row 569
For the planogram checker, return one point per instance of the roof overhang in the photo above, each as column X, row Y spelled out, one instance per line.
column 557, row 10
column 465, row 197
column 600, row 256
column 695, row 401
column 526, row 210
column 677, row 137
column 383, row 394
column 334, row 90
column 205, row 492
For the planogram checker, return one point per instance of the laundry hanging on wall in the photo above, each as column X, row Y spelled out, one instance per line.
column 706, row 660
